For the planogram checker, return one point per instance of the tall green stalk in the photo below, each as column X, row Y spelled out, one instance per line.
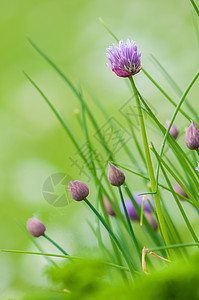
column 150, row 168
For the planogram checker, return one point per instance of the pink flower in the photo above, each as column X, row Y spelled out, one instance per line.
column 35, row 227
column 125, row 59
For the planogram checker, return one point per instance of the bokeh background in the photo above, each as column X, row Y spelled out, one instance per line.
column 33, row 146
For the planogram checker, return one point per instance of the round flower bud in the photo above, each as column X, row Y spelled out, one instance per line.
column 192, row 137
column 133, row 215
column 109, row 208
column 78, row 190
column 151, row 220
column 179, row 190
column 35, row 227
column 115, row 176
column 173, row 130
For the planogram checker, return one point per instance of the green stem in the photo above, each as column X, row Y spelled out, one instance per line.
column 142, row 211
column 195, row 7
column 112, row 236
column 63, row 256
column 56, row 245
column 114, row 246
column 175, row 246
column 130, row 226
column 150, row 168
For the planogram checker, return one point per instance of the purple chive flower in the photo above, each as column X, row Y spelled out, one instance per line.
column 133, row 215
column 197, row 169
column 173, row 130
column 125, row 59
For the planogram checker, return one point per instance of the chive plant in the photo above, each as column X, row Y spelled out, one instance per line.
column 176, row 175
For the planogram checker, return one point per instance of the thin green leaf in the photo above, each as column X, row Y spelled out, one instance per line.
column 195, row 7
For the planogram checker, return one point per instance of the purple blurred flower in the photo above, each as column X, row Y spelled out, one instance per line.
column 151, row 220
column 179, row 190
column 173, row 130
column 133, row 215
column 125, row 59
column 197, row 169
column 109, row 208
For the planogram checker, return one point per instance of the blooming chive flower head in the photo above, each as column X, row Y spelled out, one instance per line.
column 173, row 130
column 192, row 137
column 125, row 59
column 133, row 215
column 78, row 190
column 35, row 227
column 115, row 176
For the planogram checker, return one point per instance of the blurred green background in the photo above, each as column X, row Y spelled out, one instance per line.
column 33, row 144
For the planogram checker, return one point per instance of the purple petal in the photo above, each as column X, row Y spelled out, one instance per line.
column 121, row 73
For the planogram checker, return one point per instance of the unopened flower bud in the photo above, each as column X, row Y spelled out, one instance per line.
column 35, row 227
column 151, row 220
column 192, row 137
column 179, row 190
column 173, row 130
column 115, row 176
column 109, row 208
column 78, row 190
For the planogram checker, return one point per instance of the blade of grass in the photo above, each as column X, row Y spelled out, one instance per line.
column 173, row 84
column 176, row 198
column 180, row 154
column 160, row 159
column 132, row 234
column 195, row 6
column 75, row 91
column 195, row 26
column 111, row 33
column 175, row 246
column 165, row 94
column 113, row 236
column 147, row 178
column 61, row 256
column 182, row 99
column 156, row 238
